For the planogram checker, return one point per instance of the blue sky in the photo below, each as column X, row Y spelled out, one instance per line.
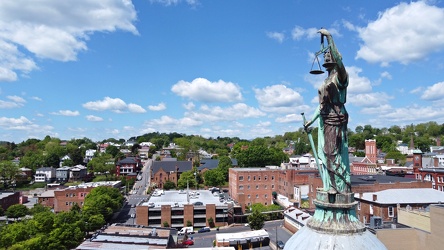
column 120, row 68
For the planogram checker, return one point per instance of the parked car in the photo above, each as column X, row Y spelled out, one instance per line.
column 204, row 229
column 198, row 203
column 280, row 244
column 188, row 242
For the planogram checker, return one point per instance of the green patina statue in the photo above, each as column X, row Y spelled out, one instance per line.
column 334, row 167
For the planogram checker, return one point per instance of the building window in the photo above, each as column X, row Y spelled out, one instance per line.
column 241, row 187
column 254, row 178
column 359, row 205
column 249, row 196
column 265, row 178
column 272, row 186
column 257, row 196
column 391, row 211
column 266, row 196
column 66, row 203
column 248, row 187
column 272, row 177
column 265, row 186
column 241, row 178
column 249, row 178
column 259, row 178
column 257, row 186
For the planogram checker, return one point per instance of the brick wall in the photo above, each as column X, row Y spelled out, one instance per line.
column 142, row 215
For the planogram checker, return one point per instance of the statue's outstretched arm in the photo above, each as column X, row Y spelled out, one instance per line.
column 342, row 73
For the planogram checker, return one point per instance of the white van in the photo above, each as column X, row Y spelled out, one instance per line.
column 188, row 230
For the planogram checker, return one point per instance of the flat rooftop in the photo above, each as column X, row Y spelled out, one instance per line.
column 180, row 197
column 405, row 196
column 370, row 179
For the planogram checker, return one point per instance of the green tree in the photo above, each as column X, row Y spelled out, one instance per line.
column 169, row 185
column 112, row 150
column 103, row 200
column 8, row 172
column 224, row 165
column 214, row 178
column 256, row 220
column 185, row 177
column 67, row 236
column 102, row 164
column 45, row 221
column 52, row 160
column 17, row 211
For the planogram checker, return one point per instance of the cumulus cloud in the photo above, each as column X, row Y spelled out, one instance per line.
column 66, row 113
column 16, row 99
column 434, row 92
column 278, row 98
column 23, row 124
column 55, row 30
column 405, row 33
column 232, row 113
column 116, row 105
column 36, row 98
column 357, row 83
column 158, row 107
column 93, row 118
column 297, row 33
column 278, row 36
column 374, row 99
column 175, row 2
column 200, row 89
column 188, row 106
column 415, row 113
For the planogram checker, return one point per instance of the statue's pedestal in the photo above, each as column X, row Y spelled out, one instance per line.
column 334, row 226
column 335, row 213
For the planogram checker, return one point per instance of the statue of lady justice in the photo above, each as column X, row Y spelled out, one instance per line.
column 334, row 167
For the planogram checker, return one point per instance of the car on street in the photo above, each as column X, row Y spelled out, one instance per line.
column 204, row 229
column 188, row 242
column 280, row 244
column 198, row 203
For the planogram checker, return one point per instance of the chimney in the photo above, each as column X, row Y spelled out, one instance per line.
column 375, row 197
column 435, row 162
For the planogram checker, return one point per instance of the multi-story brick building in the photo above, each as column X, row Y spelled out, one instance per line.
column 260, row 185
column 46, row 199
column 64, row 199
column 162, row 171
column 8, row 199
column 127, row 166
column 176, row 209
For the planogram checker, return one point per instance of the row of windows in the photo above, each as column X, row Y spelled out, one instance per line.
column 74, row 194
column 241, row 187
column 71, row 203
column 241, row 178
column 257, row 196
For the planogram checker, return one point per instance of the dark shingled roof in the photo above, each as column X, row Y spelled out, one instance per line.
column 171, row 166
column 212, row 164
column 369, row 179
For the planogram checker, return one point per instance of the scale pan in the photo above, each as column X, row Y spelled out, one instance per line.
column 316, row 72
column 329, row 64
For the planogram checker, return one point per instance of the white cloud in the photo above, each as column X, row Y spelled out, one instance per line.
column 297, row 33
column 278, row 36
column 134, row 108
column 216, row 113
column 201, row 89
column 36, row 98
column 175, row 2
column 434, row 92
column 16, row 99
column 66, row 113
column 413, row 113
column 55, row 30
column 357, row 83
column 375, row 99
column 158, row 107
column 290, row 118
column 405, row 33
column 116, row 105
column 278, row 98
column 189, row 106
column 23, row 124
column 93, row 118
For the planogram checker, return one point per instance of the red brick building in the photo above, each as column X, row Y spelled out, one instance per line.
column 8, row 199
column 163, row 171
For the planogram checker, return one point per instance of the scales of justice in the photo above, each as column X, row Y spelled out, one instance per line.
column 334, row 224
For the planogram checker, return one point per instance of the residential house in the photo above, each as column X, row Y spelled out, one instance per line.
column 126, row 166
column 63, row 174
column 89, row 154
column 209, row 164
column 45, row 174
column 63, row 159
column 78, row 173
